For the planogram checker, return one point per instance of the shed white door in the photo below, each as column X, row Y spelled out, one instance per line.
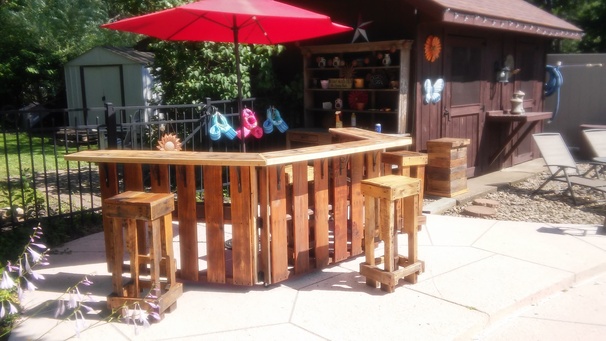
column 100, row 82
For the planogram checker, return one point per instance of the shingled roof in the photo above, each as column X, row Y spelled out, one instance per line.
column 510, row 15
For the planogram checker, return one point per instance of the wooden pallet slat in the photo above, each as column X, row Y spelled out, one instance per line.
column 243, row 241
column 278, row 235
column 215, row 233
column 320, row 186
column 340, row 193
column 188, row 234
column 300, row 218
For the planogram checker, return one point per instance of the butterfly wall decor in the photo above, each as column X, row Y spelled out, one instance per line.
column 433, row 93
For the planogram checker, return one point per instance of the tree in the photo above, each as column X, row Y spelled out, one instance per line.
column 189, row 72
column 38, row 37
column 588, row 15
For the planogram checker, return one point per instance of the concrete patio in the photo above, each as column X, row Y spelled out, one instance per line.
column 483, row 279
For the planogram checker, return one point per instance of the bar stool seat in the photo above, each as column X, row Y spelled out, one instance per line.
column 380, row 196
column 155, row 209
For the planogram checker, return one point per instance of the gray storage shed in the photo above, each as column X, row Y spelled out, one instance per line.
column 107, row 74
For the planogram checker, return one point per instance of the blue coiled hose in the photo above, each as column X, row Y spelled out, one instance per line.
column 553, row 84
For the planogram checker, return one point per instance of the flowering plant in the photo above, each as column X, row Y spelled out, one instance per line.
column 18, row 277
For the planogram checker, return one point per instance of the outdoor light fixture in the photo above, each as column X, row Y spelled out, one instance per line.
column 503, row 75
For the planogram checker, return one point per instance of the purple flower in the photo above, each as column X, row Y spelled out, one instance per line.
column 60, row 308
column 7, row 282
column 12, row 267
column 12, row 309
column 80, row 322
column 86, row 281
column 36, row 257
column 30, row 285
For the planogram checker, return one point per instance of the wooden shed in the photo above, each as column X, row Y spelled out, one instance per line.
column 113, row 74
column 468, row 45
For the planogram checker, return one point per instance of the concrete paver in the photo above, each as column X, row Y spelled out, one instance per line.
column 478, row 272
column 484, row 280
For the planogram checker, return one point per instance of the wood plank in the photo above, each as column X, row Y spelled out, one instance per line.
column 279, row 246
column 300, row 217
column 132, row 245
column 133, row 181
column 215, row 233
column 160, row 180
column 357, row 204
column 253, row 221
column 321, row 212
column 183, row 157
column 239, row 159
column 264, row 202
column 355, row 134
column 372, row 161
column 108, row 185
column 390, row 245
column 340, row 192
column 411, row 209
column 242, row 230
column 117, row 256
column 160, row 183
column 188, row 236
column 370, row 227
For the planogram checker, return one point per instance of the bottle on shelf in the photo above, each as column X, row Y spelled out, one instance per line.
column 338, row 122
column 353, row 119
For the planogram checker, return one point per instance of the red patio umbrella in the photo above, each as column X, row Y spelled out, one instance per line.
column 234, row 21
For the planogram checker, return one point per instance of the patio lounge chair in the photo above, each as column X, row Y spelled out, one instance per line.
column 596, row 140
column 561, row 165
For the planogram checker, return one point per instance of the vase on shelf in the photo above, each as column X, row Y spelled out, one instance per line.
column 360, row 105
column 359, row 83
column 386, row 60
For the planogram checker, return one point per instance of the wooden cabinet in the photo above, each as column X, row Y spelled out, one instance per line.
column 374, row 73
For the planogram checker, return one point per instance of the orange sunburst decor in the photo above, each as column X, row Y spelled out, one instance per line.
column 169, row 143
column 433, row 47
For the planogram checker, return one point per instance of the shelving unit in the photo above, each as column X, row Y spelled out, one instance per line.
column 385, row 85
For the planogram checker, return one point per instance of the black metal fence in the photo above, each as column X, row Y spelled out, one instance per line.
column 37, row 184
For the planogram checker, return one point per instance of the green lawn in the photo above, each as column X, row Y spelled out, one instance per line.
column 17, row 152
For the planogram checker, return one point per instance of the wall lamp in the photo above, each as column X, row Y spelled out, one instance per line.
column 503, row 75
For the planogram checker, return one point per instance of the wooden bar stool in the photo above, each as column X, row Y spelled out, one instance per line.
column 156, row 209
column 380, row 196
column 410, row 164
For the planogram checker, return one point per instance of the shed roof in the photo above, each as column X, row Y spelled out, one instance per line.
column 104, row 55
column 511, row 15
column 132, row 54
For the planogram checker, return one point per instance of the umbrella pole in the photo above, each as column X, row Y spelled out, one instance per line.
column 239, row 84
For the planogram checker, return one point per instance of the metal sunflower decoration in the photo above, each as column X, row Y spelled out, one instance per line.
column 169, row 142
column 433, row 47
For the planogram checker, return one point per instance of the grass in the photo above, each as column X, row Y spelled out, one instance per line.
column 20, row 152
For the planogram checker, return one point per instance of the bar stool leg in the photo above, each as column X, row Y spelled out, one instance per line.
column 118, row 257
column 369, row 235
column 155, row 253
column 411, row 206
column 387, row 226
column 167, row 250
column 133, row 249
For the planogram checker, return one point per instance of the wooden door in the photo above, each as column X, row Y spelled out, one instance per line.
column 462, row 108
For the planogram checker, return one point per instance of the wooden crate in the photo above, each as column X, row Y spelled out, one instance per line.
column 446, row 167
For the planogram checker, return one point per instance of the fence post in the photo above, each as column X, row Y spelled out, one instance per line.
column 110, row 123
